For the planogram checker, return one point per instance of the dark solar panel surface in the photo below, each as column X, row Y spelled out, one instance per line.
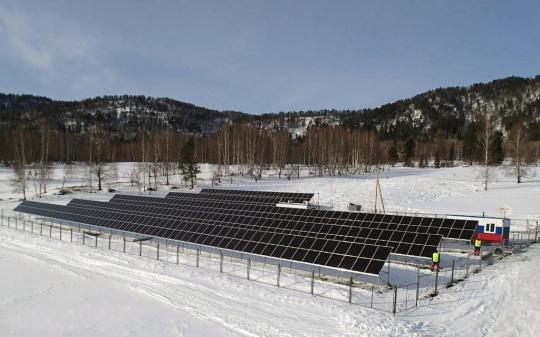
column 348, row 226
column 365, row 258
column 279, row 196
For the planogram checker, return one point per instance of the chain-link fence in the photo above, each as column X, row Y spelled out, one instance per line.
column 400, row 287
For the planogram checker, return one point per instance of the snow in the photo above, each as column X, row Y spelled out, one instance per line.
column 54, row 288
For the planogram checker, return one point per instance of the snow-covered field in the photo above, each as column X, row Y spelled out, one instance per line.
column 52, row 288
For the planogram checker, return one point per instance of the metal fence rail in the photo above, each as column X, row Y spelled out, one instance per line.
column 382, row 296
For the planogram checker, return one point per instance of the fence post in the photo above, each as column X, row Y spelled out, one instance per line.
column 312, row 281
column 278, row 274
column 140, row 248
column 394, row 305
column 177, row 253
column 350, row 289
column 198, row 253
column 24, row 225
column 221, row 262
column 124, row 244
column 157, row 252
column 83, row 237
column 248, row 267
column 32, row 225
column 96, row 241
column 110, row 238
column 60, row 232
column 371, row 301
column 70, row 234
column 536, row 233
column 452, row 277
column 40, row 227
column 50, row 230
column 467, row 265
column 417, row 291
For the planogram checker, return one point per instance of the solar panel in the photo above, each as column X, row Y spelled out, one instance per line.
column 231, row 198
column 310, row 223
column 281, row 196
column 364, row 258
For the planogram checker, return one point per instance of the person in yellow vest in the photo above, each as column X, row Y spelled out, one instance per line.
column 435, row 259
column 477, row 246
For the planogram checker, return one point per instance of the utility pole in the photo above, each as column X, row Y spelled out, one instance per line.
column 378, row 192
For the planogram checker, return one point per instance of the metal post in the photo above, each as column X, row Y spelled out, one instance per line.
column 60, row 232
column 177, row 253
column 157, row 252
column 96, row 241
column 50, row 231
column 312, row 281
column 395, row 301
column 83, row 235
column 350, row 289
column 32, row 225
column 468, row 263
column 536, row 233
column 24, row 225
column 278, row 274
column 221, row 262
column 452, row 277
column 371, row 301
column 40, row 228
column 417, row 291
column 198, row 253
column 124, row 244
column 140, row 248
column 70, row 234
column 436, row 280
column 110, row 238
column 248, row 267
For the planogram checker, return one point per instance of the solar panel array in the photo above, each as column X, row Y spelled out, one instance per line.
column 237, row 196
column 248, row 222
column 266, row 241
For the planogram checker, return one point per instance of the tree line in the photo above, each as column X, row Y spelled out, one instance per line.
column 246, row 148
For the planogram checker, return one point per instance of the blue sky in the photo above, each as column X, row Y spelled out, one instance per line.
column 264, row 56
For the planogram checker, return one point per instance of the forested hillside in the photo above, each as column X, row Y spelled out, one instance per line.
column 483, row 123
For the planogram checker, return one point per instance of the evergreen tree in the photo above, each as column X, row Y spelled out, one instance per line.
column 496, row 150
column 470, row 144
column 452, row 155
column 393, row 154
column 408, row 152
column 437, row 162
column 188, row 164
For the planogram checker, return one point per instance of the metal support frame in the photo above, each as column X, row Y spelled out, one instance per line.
column 278, row 274
column 221, row 262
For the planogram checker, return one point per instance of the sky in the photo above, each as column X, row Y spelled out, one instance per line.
column 264, row 56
